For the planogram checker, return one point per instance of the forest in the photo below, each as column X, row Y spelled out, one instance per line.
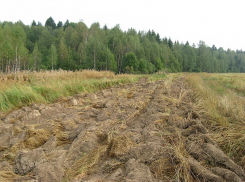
column 75, row 46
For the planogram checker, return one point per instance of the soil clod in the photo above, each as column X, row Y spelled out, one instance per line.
column 136, row 132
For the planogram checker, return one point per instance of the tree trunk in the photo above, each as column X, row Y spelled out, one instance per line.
column 80, row 58
column 16, row 61
column 106, row 62
column 2, row 64
column 118, row 64
column 18, row 64
column 121, row 63
column 94, row 61
column 52, row 62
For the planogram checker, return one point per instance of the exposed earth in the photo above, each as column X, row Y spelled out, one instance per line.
column 136, row 132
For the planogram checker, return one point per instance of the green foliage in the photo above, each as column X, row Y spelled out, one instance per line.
column 50, row 22
column 157, row 76
column 108, row 61
column 159, row 64
column 33, row 23
column 173, row 64
column 66, row 24
column 63, row 52
column 143, row 68
column 189, row 58
column 59, row 24
column 151, row 67
column 130, row 63
column 39, row 91
column 79, row 47
column 35, row 58
column 53, row 56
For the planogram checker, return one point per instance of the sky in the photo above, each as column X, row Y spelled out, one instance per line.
column 216, row 22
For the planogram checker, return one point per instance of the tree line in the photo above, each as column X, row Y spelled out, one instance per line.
column 73, row 46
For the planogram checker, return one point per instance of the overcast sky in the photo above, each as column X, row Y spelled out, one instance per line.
column 218, row 22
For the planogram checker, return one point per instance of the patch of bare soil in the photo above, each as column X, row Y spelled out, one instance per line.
column 135, row 132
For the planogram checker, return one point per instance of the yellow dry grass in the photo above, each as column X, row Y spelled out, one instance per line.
column 233, row 143
column 221, row 99
column 163, row 169
column 112, row 146
column 8, row 175
column 85, row 165
column 120, row 145
column 42, row 76
column 36, row 138
column 173, row 165
column 18, row 146
column 207, row 100
column 26, row 88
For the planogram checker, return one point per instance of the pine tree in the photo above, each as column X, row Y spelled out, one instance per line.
column 170, row 43
column 50, row 22
column 33, row 23
column 60, row 24
column 66, row 24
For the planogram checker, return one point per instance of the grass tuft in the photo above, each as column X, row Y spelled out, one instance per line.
column 47, row 86
column 36, row 138
column 207, row 100
column 85, row 165
column 173, row 166
column 221, row 98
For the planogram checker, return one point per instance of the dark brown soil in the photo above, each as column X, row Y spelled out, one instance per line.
column 135, row 132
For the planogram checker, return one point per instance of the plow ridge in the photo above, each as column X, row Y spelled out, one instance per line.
column 136, row 132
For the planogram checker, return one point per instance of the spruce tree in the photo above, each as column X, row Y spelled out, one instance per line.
column 50, row 22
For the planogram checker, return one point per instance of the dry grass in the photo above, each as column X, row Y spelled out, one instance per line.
column 86, row 164
column 112, row 146
column 221, row 98
column 8, row 175
column 26, row 88
column 232, row 106
column 163, row 169
column 36, row 138
column 27, row 76
column 206, row 98
column 218, row 96
column 17, row 147
column 120, row 145
column 233, row 143
column 130, row 95
column 173, row 166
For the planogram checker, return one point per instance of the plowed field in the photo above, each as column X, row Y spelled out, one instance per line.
column 144, row 131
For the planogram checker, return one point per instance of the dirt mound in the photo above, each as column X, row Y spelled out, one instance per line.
column 135, row 132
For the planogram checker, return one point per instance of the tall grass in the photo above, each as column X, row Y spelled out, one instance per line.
column 221, row 98
column 206, row 99
column 26, row 88
column 157, row 76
